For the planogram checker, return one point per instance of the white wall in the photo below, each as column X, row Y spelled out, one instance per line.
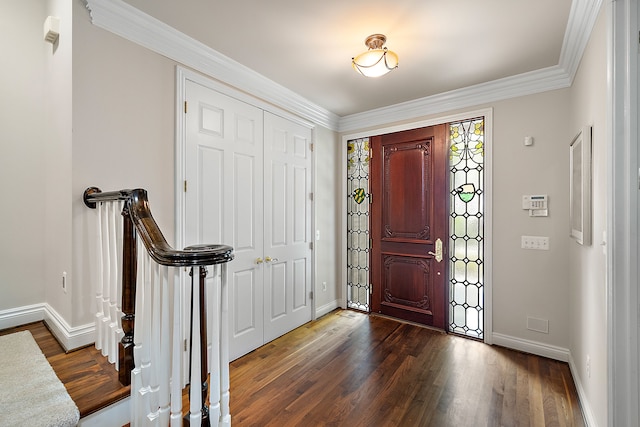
column 587, row 264
column 22, row 144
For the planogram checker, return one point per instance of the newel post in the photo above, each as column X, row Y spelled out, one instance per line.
column 129, row 271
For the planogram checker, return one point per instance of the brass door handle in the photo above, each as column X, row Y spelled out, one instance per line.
column 269, row 259
column 438, row 254
column 259, row 261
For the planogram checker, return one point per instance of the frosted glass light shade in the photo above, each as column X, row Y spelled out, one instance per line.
column 377, row 61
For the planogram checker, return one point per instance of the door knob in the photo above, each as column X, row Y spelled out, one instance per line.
column 438, row 254
column 269, row 259
column 259, row 261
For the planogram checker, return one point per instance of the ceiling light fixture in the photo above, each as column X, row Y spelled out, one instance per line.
column 377, row 61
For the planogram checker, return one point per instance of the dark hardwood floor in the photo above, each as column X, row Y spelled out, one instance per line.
column 351, row 369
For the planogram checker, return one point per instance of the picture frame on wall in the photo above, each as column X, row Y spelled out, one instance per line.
column 580, row 186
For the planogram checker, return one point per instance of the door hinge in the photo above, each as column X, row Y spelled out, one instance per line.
column 185, row 107
column 311, row 146
column 185, row 345
column 311, row 295
column 185, row 185
column 311, row 245
column 370, row 289
column 370, row 198
column 311, row 196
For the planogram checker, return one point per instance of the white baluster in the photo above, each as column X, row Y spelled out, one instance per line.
column 113, row 284
column 195, row 390
column 106, row 273
column 146, row 332
column 99, row 278
column 214, row 355
column 137, row 410
column 164, row 353
column 176, row 356
column 154, row 343
column 225, row 415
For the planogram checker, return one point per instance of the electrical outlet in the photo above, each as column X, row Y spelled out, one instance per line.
column 64, row 281
column 324, row 286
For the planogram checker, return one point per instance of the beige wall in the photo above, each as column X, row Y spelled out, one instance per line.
column 587, row 264
column 123, row 136
column 328, row 187
column 58, row 164
column 526, row 282
column 22, row 158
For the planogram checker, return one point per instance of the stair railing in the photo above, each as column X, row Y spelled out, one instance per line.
column 135, row 283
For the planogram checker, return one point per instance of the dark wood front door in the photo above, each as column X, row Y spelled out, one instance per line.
column 409, row 220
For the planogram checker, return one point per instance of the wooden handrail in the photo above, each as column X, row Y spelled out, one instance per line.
column 159, row 250
column 138, row 221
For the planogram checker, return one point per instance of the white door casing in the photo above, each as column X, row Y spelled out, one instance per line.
column 248, row 176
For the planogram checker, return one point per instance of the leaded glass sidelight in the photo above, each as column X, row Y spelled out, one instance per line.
column 358, row 242
column 466, row 228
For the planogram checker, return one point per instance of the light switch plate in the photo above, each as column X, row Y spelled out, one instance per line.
column 535, row 242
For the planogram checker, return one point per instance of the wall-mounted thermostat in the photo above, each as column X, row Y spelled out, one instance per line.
column 536, row 205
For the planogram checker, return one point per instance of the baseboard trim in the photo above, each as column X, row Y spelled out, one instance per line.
column 117, row 414
column 21, row 315
column 533, row 347
column 70, row 338
column 587, row 412
column 327, row 308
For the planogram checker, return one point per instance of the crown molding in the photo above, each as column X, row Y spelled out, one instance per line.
column 582, row 18
column 136, row 26
column 510, row 87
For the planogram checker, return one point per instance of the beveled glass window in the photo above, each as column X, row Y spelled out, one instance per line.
column 466, row 228
column 358, row 242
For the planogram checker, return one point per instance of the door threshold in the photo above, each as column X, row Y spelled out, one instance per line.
column 408, row 322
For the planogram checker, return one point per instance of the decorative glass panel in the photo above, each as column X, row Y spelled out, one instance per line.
column 466, row 228
column 358, row 242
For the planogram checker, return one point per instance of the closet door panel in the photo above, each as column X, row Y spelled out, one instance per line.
column 224, row 171
column 287, row 198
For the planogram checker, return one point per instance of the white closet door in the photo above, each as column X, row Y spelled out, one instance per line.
column 287, row 225
column 224, row 200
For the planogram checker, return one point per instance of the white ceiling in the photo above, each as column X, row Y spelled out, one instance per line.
column 307, row 46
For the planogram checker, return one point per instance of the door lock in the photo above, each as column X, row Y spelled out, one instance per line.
column 259, row 261
column 438, row 254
